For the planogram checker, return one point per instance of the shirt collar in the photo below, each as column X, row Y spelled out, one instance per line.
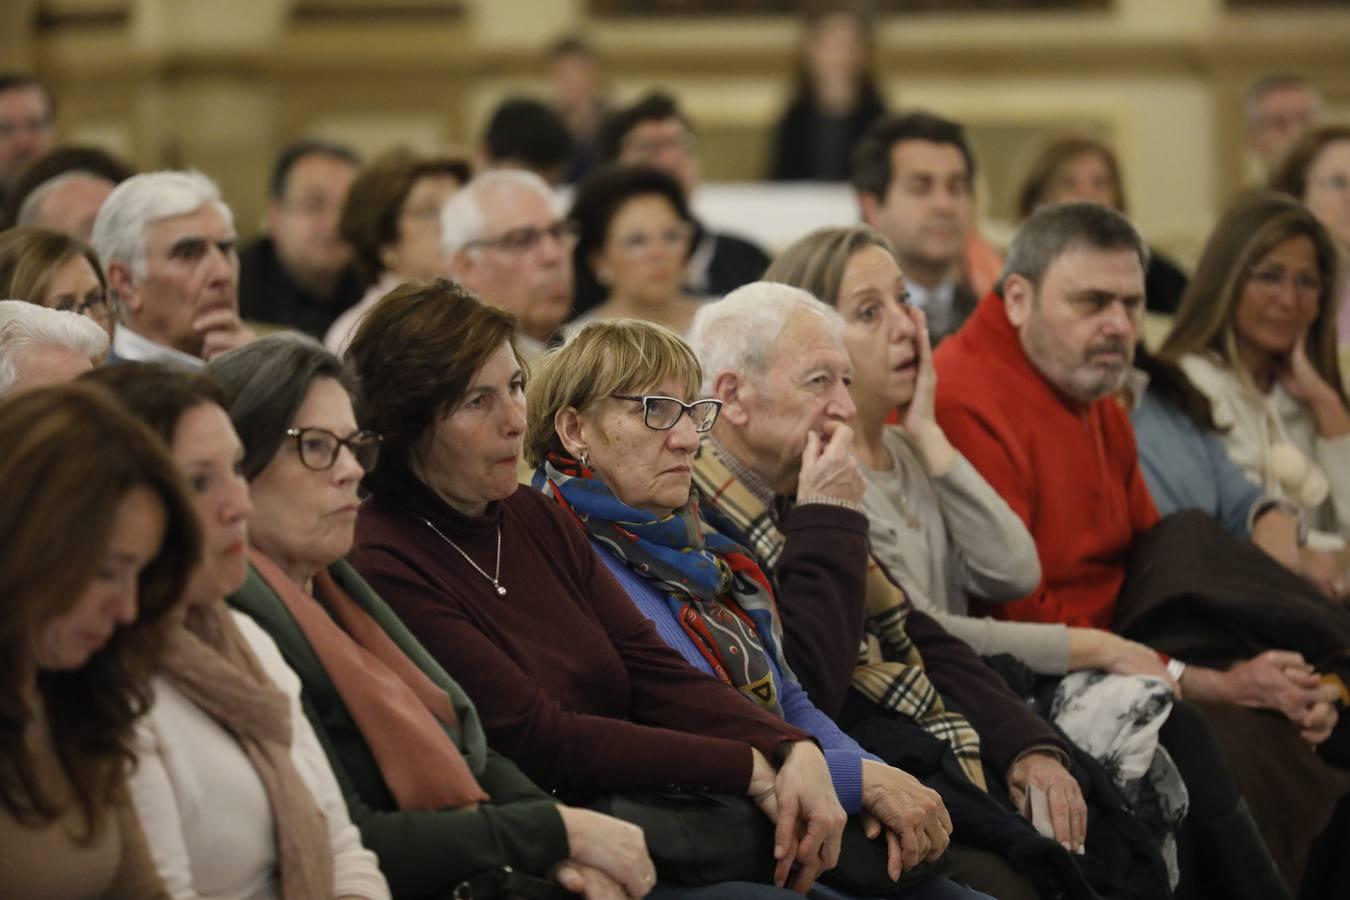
column 939, row 297
column 757, row 486
column 132, row 347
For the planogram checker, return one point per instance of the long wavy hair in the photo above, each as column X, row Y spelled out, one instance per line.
column 68, row 457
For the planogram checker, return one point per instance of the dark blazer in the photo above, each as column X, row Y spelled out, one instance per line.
column 422, row 854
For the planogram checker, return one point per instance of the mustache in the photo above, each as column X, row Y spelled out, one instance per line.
column 1110, row 345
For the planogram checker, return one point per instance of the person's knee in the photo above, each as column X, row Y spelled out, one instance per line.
column 983, row 873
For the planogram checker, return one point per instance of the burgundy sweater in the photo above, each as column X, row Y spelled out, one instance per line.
column 571, row 681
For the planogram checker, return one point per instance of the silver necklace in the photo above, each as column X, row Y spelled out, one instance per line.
column 497, row 570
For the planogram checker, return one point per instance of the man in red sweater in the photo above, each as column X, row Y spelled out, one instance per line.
column 1025, row 392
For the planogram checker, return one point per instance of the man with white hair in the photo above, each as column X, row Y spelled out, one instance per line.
column 776, row 475
column 40, row 346
column 507, row 244
column 167, row 243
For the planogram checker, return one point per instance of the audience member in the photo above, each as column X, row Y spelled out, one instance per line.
column 298, row 274
column 524, row 133
column 653, row 131
column 507, row 244
column 40, row 347
column 1277, row 108
column 54, row 270
column 704, row 593
column 773, row 355
column 92, row 566
column 1316, row 171
column 167, row 244
column 1025, row 393
column 834, row 100
column 27, row 125
column 433, row 802
column 1074, row 168
column 231, row 783
column 914, row 175
column 577, row 80
column 633, row 235
column 392, row 220
column 506, row 593
column 43, row 196
column 1257, row 335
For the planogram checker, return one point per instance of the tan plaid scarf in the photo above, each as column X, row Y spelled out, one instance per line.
column 889, row 671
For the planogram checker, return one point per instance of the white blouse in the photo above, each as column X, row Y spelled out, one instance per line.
column 205, row 812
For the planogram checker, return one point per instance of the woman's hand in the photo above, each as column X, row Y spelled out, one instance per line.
column 1324, row 570
column 1092, row 648
column 920, row 420
column 590, row 882
column 1305, row 384
column 910, row 811
column 614, row 847
column 808, row 820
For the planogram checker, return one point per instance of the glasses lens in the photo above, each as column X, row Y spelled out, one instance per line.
column 704, row 414
column 318, row 448
column 662, row 412
column 366, row 448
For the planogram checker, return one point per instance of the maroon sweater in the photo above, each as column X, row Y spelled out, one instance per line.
column 572, row 682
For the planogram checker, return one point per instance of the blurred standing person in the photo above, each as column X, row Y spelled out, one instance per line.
column 299, row 273
column 524, row 133
column 1277, row 108
column 578, row 80
column 835, row 98
column 392, row 220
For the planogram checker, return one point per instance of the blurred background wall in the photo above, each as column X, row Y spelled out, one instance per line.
column 220, row 85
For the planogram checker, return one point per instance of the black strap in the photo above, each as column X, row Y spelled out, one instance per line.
column 504, row 883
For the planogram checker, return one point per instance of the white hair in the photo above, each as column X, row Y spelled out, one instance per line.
column 462, row 219
column 24, row 325
column 141, row 200
column 30, row 213
column 738, row 332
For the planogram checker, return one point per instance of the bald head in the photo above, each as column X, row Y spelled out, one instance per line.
column 68, row 203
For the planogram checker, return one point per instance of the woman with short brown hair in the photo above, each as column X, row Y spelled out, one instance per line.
column 57, row 271
column 99, row 541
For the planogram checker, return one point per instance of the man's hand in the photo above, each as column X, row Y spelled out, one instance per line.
column 1068, row 810
column 590, row 882
column 810, row 822
column 1277, row 679
column 222, row 330
column 917, row 825
column 616, row 848
column 830, row 471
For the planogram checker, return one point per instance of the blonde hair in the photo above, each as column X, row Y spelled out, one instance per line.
column 611, row 356
column 817, row 262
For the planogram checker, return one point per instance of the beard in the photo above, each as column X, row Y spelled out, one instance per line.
column 1085, row 376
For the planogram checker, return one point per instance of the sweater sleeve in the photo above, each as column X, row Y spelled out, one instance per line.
column 156, row 804
column 995, row 553
column 1237, row 493
column 1007, row 728
column 136, row 878
column 554, row 745
column 1042, row 646
column 821, row 579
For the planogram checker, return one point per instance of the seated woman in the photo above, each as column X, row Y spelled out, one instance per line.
column 57, row 271
column 936, row 525
column 91, row 568
column 231, row 783
column 634, row 233
column 392, row 219
column 433, row 802
column 504, row 590
column 1256, row 334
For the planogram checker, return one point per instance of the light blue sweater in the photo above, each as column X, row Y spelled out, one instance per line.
column 842, row 753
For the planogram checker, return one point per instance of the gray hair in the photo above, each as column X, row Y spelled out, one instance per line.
column 1275, row 81
column 265, row 383
column 1053, row 230
column 29, row 213
column 24, row 325
column 141, row 200
column 462, row 219
column 738, row 332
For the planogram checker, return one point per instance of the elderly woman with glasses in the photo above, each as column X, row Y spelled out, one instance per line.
column 506, row 592
column 1256, row 334
column 433, row 802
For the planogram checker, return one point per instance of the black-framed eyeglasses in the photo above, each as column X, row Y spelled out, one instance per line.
column 319, row 447
column 97, row 305
column 523, row 240
column 661, row 413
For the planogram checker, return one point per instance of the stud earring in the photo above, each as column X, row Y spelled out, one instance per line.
column 585, row 458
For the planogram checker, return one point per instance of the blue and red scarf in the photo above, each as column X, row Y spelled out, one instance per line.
column 713, row 587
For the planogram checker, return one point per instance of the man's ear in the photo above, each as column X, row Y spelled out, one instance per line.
column 870, row 205
column 567, row 424
column 123, row 287
column 734, row 391
column 1019, row 296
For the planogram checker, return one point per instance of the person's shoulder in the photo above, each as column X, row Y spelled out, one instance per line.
column 741, row 248
column 1207, row 372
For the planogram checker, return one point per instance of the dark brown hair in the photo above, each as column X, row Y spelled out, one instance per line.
column 28, row 256
column 68, row 457
column 1291, row 176
column 415, row 354
column 370, row 214
column 872, row 170
column 1053, row 157
column 156, row 393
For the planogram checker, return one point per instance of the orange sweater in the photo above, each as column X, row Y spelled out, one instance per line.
column 1069, row 470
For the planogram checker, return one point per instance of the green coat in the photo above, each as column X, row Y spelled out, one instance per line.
column 422, row 854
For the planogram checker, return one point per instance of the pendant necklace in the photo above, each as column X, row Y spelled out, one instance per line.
column 496, row 571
